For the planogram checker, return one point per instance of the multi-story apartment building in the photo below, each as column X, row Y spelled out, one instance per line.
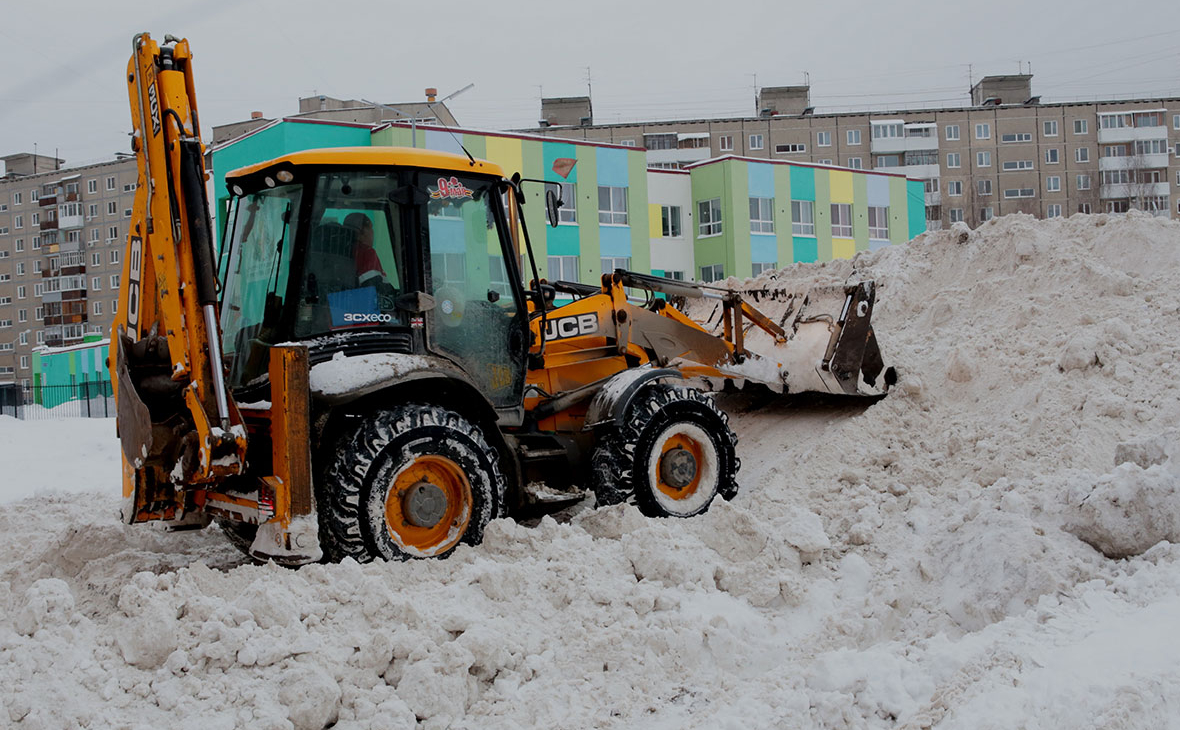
column 62, row 233
column 1005, row 152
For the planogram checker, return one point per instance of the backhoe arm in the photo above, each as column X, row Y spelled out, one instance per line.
column 177, row 423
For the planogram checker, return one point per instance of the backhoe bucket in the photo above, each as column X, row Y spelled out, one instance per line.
column 816, row 340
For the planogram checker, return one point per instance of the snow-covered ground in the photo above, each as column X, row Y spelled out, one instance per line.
column 991, row 546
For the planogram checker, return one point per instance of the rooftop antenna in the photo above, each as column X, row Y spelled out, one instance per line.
column 590, row 92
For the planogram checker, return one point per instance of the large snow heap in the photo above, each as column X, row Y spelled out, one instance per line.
column 991, row 546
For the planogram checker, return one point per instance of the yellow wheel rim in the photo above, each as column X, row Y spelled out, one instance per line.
column 680, row 441
column 449, row 478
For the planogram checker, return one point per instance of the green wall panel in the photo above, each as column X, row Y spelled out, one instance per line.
column 782, row 215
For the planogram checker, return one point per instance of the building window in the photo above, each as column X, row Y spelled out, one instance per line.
column 1114, row 150
column 1010, row 165
column 841, row 220
column 114, row 256
column 1019, row 137
column 20, row 292
column 879, row 222
column 890, row 130
column 17, row 198
column 19, row 245
column 1115, row 177
column 1053, row 184
column 789, row 149
column 823, row 139
column 755, row 142
column 983, row 187
column 986, row 214
column 1083, row 182
column 725, row 143
column 612, row 205
column 761, row 215
column 670, row 221
column 112, row 233
column 36, row 243
column 1050, row 128
column 563, row 268
column 888, row 161
column 1117, row 206
column 22, row 315
column 96, row 258
column 96, row 283
column 855, row 163
column 1019, row 193
column 20, row 268
column 983, row 159
column 92, row 186
column 126, row 212
column 824, row 161
column 758, row 268
column 1142, row 147
column 853, row 136
column 716, row 272
column 931, row 185
column 38, row 289
column 112, row 207
column 802, row 218
column 96, row 307
column 566, row 193
column 983, row 131
column 1081, row 126
column 609, row 263
column 18, row 221
column 709, row 218
column 114, row 281
column 1052, row 156
column 1081, row 154
column 1176, row 121
column 956, row 215
column 1054, row 210
column 952, row 132
column 24, row 362
column 954, row 188
column 111, row 183
column 953, row 159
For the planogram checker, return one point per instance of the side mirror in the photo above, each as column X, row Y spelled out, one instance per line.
column 552, row 203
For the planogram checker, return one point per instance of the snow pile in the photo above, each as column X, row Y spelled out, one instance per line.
column 937, row 558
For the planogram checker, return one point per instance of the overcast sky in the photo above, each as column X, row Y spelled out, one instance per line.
column 63, row 64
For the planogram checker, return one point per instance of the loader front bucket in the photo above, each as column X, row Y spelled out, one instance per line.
column 818, row 340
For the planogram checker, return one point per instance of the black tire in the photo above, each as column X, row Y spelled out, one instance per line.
column 240, row 534
column 607, row 463
column 662, row 412
column 387, row 446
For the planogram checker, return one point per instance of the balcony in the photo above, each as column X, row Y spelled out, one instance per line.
column 922, row 172
column 47, row 200
column 48, row 225
column 1136, row 162
column 1134, row 190
column 69, row 222
column 1131, row 134
column 933, row 198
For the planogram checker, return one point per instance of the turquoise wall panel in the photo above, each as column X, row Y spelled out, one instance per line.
column 554, row 151
column 916, row 196
column 614, row 241
column 763, row 248
column 612, row 166
column 878, row 190
column 806, row 250
column 802, row 183
column 562, row 241
column 761, row 180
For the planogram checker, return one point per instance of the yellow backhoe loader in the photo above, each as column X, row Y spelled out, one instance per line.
column 359, row 371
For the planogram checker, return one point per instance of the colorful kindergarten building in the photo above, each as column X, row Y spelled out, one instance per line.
column 728, row 216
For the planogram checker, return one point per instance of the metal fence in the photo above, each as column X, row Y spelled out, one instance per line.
column 89, row 399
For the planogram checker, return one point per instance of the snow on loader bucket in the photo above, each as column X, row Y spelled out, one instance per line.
column 818, row 339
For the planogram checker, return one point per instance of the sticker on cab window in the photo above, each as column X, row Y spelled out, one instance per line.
column 449, row 190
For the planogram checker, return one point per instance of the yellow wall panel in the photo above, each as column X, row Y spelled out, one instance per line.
column 843, row 248
column 841, row 186
column 655, row 221
column 506, row 152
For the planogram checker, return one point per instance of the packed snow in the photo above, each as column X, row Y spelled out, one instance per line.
column 990, row 546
